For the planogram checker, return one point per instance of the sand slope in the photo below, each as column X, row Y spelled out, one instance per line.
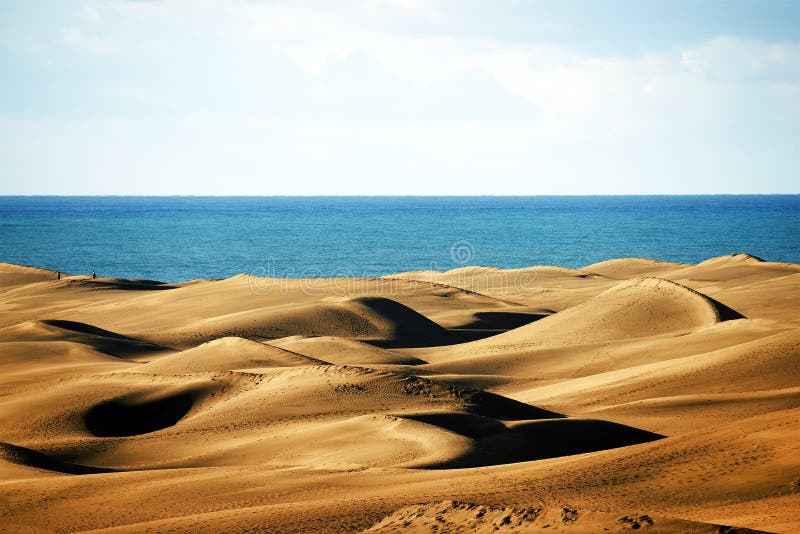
column 632, row 394
column 343, row 351
column 454, row 516
column 85, row 334
column 225, row 354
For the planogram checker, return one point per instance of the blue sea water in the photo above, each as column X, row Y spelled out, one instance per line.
column 180, row 238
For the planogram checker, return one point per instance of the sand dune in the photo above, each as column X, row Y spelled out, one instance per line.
column 378, row 320
column 632, row 394
column 642, row 307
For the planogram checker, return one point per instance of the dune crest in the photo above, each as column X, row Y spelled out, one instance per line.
column 342, row 351
column 741, row 257
column 12, row 275
column 223, row 354
column 632, row 267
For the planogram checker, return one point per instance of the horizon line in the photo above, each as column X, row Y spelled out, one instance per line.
column 127, row 195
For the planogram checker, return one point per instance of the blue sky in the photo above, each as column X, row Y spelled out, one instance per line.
column 399, row 97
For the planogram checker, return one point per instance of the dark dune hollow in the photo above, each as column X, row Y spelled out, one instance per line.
column 503, row 320
column 472, row 426
column 474, row 334
column 137, row 414
column 123, row 284
column 486, row 324
column 412, row 329
column 84, row 328
column 31, row 458
column 537, row 440
column 498, row 407
column 103, row 340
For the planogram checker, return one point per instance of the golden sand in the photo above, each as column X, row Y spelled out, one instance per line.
column 628, row 395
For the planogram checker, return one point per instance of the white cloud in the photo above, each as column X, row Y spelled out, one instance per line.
column 90, row 13
column 787, row 98
column 74, row 38
column 128, row 93
column 593, row 91
column 552, row 76
column 393, row 9
column 569, row 89
column 533, row 109
column 734, row 58
column 574, row 96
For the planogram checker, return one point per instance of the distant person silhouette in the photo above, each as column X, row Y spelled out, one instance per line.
column 94, row 275
column 59, row 275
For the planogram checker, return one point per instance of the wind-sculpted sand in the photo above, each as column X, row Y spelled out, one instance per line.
column 632, row 394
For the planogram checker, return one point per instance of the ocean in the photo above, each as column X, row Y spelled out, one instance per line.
column 181, row 238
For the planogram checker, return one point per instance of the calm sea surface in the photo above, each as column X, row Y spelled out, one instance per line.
column 179, row 238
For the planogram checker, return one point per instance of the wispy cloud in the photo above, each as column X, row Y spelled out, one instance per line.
column 362, row 86
column 76, row 39
column 90, row 13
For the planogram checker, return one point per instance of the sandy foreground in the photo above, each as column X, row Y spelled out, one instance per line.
column 628, row 395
